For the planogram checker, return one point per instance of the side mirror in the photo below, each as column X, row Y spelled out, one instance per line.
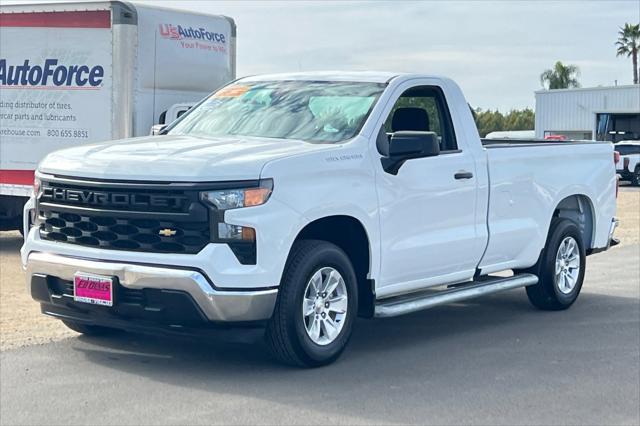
column 157, row 129
column 406, row 145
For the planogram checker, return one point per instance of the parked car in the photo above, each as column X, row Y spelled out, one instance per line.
column 628, row 165
column 73, row 73
column 555, row 138
column 512, row 134
column 294, row 203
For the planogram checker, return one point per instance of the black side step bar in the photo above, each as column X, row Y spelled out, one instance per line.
column 412, row 303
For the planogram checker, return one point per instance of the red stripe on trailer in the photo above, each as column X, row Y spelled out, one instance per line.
column 17, row 177
column 84, row 19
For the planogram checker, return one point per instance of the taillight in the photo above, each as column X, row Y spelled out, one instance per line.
column 616, row 157
column 626, row 162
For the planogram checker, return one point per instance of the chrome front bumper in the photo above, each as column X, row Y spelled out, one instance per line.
column 217, row 305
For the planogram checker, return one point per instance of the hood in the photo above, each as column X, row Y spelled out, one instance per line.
column 174, row 158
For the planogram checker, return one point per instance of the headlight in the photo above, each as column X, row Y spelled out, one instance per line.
column 226, row 199
column 241, row 239
column 236, row 233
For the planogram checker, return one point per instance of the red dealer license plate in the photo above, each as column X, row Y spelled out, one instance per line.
column 93, row 289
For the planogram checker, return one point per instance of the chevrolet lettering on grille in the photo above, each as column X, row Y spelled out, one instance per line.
column 115, row 199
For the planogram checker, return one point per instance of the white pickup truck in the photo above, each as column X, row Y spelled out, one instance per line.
column 294, row 203
column 628, row 164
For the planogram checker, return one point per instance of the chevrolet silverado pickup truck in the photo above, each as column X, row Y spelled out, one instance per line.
column 294, row 203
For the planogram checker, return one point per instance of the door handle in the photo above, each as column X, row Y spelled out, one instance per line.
column 463, row 175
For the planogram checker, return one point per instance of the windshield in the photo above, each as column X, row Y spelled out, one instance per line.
column 312, row 111
column 627, row 149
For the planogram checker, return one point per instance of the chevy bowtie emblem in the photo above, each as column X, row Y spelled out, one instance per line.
column 167, row 232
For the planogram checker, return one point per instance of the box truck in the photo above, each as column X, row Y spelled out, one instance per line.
column 77, row 73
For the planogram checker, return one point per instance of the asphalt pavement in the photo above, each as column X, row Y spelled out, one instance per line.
column 495, row 360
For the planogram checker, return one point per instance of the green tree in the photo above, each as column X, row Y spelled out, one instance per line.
column 628, row 44
column 561, row 76
column 493, row 121
column 520, row 119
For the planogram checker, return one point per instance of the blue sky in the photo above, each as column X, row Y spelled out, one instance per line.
column 495, row 50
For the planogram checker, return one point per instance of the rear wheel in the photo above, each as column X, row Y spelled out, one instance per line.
column 89, row 330
column 316, row 308
column 560, row 269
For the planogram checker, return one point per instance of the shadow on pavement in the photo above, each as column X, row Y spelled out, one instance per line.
column 10, row 242
column 446, row 351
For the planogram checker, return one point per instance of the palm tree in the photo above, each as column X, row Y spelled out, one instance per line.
column 561, row 76
column 628, row 44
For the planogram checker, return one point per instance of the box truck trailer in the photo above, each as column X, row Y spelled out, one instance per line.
column 77, row 73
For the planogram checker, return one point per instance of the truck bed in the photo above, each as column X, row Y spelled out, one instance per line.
column 526, row 185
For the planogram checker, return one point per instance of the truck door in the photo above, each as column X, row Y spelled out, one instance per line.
column 428, row 210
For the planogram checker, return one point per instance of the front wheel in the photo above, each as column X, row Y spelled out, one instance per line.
column 560, row 269
column 316, row 308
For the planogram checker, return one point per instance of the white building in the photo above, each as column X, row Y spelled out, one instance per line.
column 600, row 113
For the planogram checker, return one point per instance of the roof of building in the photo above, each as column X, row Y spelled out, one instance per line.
column 590, row 89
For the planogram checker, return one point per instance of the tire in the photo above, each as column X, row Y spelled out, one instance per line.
column 89, row 330
column 554, row 293
column 290, row 333
column 635, row 178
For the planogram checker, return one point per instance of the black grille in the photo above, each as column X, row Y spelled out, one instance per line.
column 179, row 228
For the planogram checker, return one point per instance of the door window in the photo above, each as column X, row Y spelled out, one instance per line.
column 423, row 108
